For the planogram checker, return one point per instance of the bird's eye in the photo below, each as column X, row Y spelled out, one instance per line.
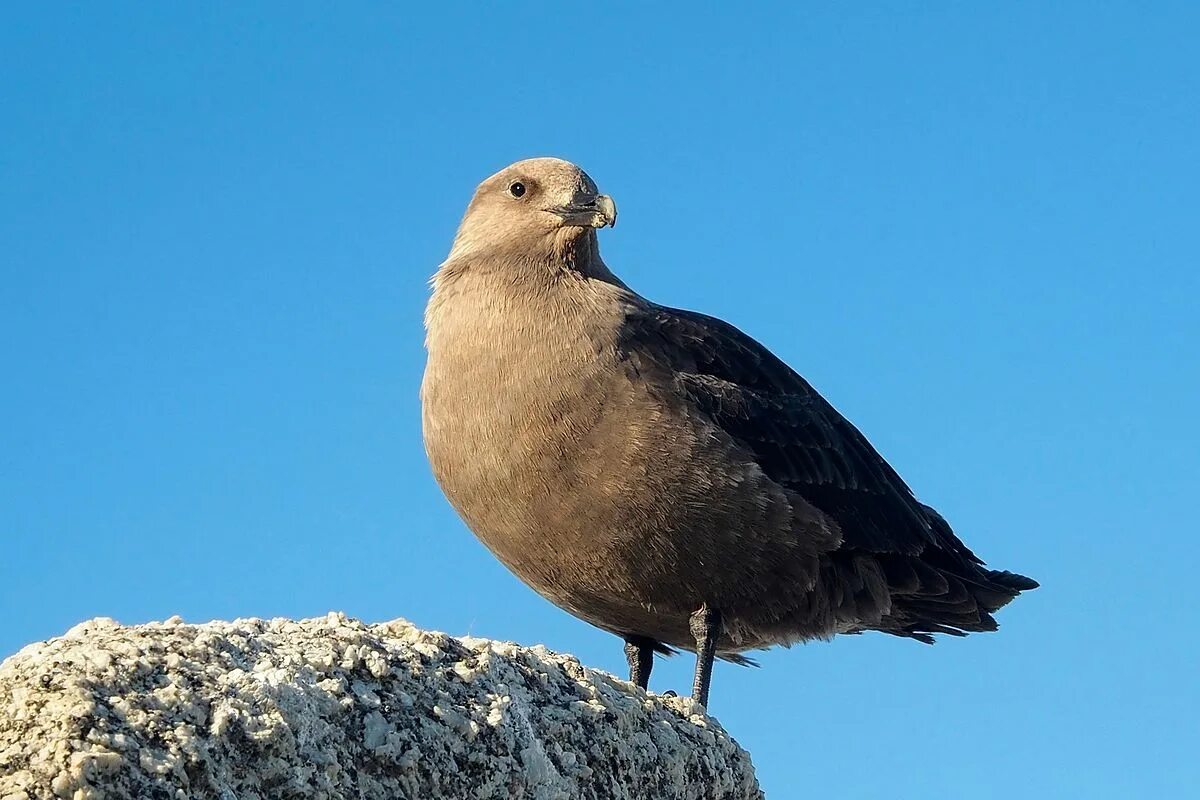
column 517, row 189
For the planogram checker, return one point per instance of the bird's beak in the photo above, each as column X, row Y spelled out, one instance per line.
column 589, row 212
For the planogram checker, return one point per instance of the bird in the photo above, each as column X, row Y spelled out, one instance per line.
column 657, row 472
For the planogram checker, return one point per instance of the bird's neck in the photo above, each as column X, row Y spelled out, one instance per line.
column 483, row 294
column 568, row 253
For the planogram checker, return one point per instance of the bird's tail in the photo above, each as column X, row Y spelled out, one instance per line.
column 952, row 595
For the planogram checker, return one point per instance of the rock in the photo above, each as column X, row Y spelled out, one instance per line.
column 335, row 708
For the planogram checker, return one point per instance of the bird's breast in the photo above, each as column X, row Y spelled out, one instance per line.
column 514, row 406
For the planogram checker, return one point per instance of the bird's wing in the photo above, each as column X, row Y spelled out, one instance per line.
column 798, row 438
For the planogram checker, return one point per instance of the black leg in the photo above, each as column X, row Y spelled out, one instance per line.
column 706, row 628
column 639, row 652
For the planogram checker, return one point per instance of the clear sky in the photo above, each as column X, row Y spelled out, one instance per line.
column 973, row 227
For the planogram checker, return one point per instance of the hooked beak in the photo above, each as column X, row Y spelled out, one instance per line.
column 589, row 212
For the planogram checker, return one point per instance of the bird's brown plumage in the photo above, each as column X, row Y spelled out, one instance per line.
column 634, row 463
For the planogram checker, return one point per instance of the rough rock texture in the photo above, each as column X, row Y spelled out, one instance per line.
column 334, row 708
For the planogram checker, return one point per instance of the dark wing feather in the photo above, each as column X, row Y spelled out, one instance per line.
column 799, row 439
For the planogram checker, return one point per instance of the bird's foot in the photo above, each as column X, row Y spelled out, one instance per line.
column 705, row 625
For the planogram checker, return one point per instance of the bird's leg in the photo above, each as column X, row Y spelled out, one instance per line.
column 639, row 653
column 705, row 625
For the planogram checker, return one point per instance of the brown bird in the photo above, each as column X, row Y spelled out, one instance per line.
column 657, row 472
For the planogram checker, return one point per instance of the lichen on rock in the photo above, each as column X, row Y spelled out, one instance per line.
column 334, row 708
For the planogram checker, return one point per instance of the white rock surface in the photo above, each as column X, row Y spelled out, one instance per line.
column 334, row 708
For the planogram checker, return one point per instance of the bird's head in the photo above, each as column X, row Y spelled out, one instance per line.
column 540, row 208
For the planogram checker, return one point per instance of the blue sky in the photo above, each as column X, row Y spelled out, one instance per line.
column 973, row 228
